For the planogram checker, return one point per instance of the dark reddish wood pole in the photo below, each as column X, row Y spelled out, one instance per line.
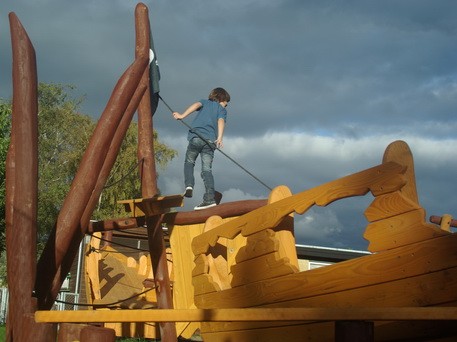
column 50, row 274
column 22, row 182
column 437, row 220
column 146, row 110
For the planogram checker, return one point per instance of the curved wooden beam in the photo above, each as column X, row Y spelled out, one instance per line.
column 224, row 210
column 380, row 179
column 50, row 275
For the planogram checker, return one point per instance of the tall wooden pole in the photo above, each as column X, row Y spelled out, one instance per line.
column 22, row 192
column 22, row 180
column 146, row 110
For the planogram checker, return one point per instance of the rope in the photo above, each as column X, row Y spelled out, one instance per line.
column 119, row 244
column 135, row 250
column 216, row 148
column 107, row 304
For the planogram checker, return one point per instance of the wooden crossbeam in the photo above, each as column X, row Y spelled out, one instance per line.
column 249, row 314
column 151, row 206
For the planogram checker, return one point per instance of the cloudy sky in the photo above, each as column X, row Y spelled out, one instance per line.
column 319, row 88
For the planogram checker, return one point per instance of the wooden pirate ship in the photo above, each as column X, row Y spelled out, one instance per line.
column 236, row 261
column 233, row 274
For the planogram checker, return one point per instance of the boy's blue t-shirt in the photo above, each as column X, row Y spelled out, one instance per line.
column 205, row 123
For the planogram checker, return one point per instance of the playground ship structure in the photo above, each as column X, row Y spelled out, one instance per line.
column 233, row 273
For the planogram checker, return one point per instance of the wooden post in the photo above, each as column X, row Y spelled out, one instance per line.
column 22, row 182
column 160, row 269
column 33, row 331
column 350, row 331
column 69, row 332
column 97, row 334
column 146, row 110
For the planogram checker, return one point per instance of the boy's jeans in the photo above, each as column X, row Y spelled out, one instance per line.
column 199, row 146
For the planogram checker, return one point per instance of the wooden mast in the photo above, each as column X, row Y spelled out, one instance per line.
column 146, row 110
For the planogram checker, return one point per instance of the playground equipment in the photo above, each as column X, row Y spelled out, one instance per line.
column 233, row 273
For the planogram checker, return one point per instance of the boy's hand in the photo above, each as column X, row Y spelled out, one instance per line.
column 177, row 116
column 218, row 143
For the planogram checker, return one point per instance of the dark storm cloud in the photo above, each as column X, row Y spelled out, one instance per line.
column 318, row 88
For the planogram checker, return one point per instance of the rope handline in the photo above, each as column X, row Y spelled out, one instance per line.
column 100, row 250
column 107, row 304
column 138, row 236
column 135, row 250
column 119, row 244
column 215, row 147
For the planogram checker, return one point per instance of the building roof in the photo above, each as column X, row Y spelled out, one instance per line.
column 328, row 254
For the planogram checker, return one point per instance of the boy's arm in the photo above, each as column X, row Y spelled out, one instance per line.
column 220, row 132
column 192, row 108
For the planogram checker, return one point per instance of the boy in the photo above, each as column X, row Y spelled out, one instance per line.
column 205, row 135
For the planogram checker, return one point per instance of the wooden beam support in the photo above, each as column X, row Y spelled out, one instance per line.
column 445, row 220
column 151, row 206
column 116, row 224
column 223, row 210
column 251, row 314
column 97, row 334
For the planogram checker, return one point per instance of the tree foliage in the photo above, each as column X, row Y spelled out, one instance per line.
column 124, row 180
column 5, row 127
column 63, row 135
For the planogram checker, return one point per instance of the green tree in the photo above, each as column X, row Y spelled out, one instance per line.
column 5, row 127
column 62, row 137
column 124, row 181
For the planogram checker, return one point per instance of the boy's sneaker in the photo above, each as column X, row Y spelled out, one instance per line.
column 188, row 192
column 205, row 205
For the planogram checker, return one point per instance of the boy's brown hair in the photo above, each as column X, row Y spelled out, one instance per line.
column 219, row 95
